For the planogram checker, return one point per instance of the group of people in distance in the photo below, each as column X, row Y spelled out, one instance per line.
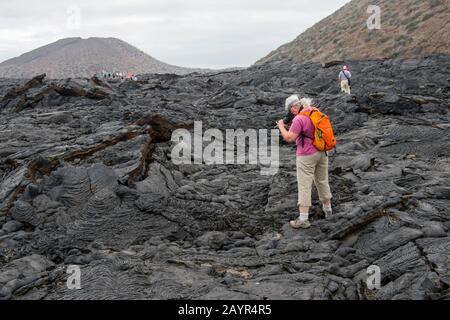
column 119, row 75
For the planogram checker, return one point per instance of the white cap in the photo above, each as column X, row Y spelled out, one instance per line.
column 291, row 101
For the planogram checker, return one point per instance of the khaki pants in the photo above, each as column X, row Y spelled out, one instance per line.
column 312, row 168
column 345, row 87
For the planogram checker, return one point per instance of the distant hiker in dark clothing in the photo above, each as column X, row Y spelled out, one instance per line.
column 344, row 79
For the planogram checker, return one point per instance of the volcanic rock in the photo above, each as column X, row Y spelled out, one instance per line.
column 87, row 177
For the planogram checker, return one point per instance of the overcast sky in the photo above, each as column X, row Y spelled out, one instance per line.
column 189, row 33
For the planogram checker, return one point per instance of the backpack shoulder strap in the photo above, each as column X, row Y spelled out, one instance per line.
column 308, row 114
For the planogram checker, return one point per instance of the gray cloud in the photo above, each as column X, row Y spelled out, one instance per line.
column 192, row 33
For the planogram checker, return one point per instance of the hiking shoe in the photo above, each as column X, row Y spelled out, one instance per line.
column 297, row 224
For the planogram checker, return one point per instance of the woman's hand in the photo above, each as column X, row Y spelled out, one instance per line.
column 287, row 136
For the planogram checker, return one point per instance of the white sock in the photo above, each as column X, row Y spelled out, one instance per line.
column 303, row 216
column 327, row 208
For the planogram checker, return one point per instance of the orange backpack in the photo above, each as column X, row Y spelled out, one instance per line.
column 324, row 139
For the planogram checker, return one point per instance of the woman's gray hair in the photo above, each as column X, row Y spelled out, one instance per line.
column 292, row 101
column 306, row 102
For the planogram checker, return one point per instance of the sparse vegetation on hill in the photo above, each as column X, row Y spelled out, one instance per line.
column 408, row 29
